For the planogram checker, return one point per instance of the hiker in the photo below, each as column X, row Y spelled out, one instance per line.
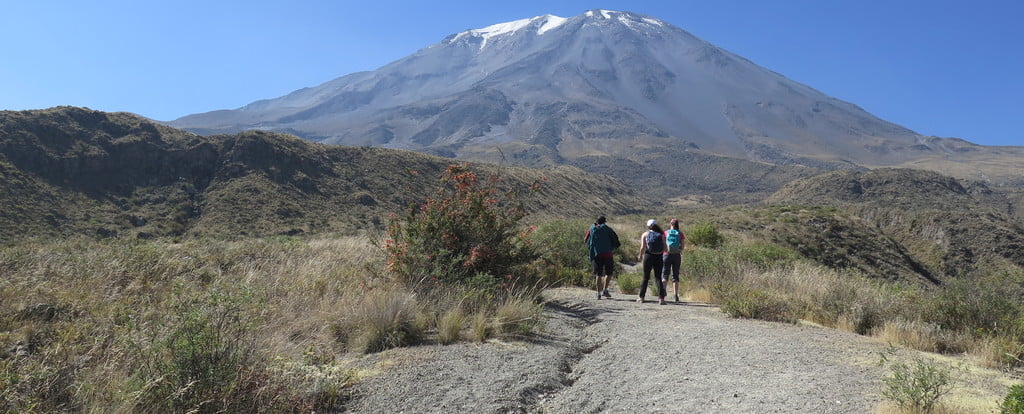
column 673, row 256
column 602, row 242
column 652, row 245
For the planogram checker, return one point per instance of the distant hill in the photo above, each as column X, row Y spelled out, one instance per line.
column 75, row 171
column 949, row 226
column 615, row 93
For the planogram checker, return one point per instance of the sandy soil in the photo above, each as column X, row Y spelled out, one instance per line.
column 620, row 356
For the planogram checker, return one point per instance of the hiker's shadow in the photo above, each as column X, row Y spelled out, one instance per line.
column 573, row 311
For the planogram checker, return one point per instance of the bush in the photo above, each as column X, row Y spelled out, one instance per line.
column 764, row 255
column 705, row 234
column 742, row 302
column 982, row 308
column 1014, row 401
column 466, row 230
column 209, row 361
column 916, row 386
column 563, row 254
column 629, row 283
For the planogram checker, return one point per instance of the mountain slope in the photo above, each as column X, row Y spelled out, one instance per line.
column 603, row 89
column 75, row 171
column 949, row 226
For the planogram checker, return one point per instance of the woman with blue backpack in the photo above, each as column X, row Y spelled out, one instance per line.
column 652, row 245
column 675, row 240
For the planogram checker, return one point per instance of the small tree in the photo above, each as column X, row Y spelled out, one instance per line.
column 468, row 233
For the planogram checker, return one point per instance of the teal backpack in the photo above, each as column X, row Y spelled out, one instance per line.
column 675, row 240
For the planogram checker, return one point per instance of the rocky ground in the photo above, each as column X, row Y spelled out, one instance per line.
column 620, row 356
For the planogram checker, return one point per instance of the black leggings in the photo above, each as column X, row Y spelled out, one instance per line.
column 652, row 262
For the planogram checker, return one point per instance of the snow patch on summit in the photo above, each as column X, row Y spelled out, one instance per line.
column 486, row 33
column 552, row 22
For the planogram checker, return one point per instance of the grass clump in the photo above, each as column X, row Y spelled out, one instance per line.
column 382, row 320
column 517, row 317
column 449, row 327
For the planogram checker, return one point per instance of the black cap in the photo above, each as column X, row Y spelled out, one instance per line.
column 601, row 220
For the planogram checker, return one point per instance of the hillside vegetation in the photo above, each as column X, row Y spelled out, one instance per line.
column 147, row 269
column 72, row 171
column 948, row 226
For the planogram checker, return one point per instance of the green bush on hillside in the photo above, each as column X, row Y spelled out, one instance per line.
column 917, row 386
column 563, row 254
column 988, row 306
column 705, row 234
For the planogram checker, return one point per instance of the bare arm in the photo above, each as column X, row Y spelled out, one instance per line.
column 643, row 247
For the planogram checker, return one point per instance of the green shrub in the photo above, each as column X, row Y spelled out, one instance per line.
column 705, row 234
column 743, row 302
column 765, row 255
column 207, row 361
column 563, row 254
column 1014, row 401
column 985, row 307
column 705, row 264
column 916, row 386
column 629, row 282
column 467, row 229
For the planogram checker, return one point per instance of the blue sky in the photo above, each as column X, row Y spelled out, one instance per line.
column 945, row 68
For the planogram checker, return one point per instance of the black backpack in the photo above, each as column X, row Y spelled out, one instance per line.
column 655, row 243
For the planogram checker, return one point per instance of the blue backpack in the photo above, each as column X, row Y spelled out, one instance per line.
column 675, row 240
column 655, row 243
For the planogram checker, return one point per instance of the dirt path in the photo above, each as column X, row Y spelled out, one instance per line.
column 619, row 356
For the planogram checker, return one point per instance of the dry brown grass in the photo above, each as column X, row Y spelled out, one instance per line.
column 912, row 334
column 889, row 408
column 129, row 326
column 449, row 327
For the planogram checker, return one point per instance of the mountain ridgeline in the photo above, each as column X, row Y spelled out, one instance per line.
column 614, row 93
column 72, row 171
column 67, row 171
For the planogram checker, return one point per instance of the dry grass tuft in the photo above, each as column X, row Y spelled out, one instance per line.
column 517, row 316
column 481, row 327
column 913, row 334
column 449, row 327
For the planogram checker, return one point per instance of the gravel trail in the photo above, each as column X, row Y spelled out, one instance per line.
column 621, row 356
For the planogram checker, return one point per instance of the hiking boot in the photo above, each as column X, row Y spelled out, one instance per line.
column 598, row 295
column 640, row 300
column 677, row 298
column 607, row 295
column 661, row 301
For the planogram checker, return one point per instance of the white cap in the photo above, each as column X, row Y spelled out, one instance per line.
column 651, row 222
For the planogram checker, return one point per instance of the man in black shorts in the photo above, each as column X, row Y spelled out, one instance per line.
column 602, row 242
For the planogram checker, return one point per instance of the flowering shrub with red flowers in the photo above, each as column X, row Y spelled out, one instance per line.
column 468, row 233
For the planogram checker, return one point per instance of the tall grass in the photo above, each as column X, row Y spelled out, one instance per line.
column 981, row 313
column 200, row 326
column 208, row 325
